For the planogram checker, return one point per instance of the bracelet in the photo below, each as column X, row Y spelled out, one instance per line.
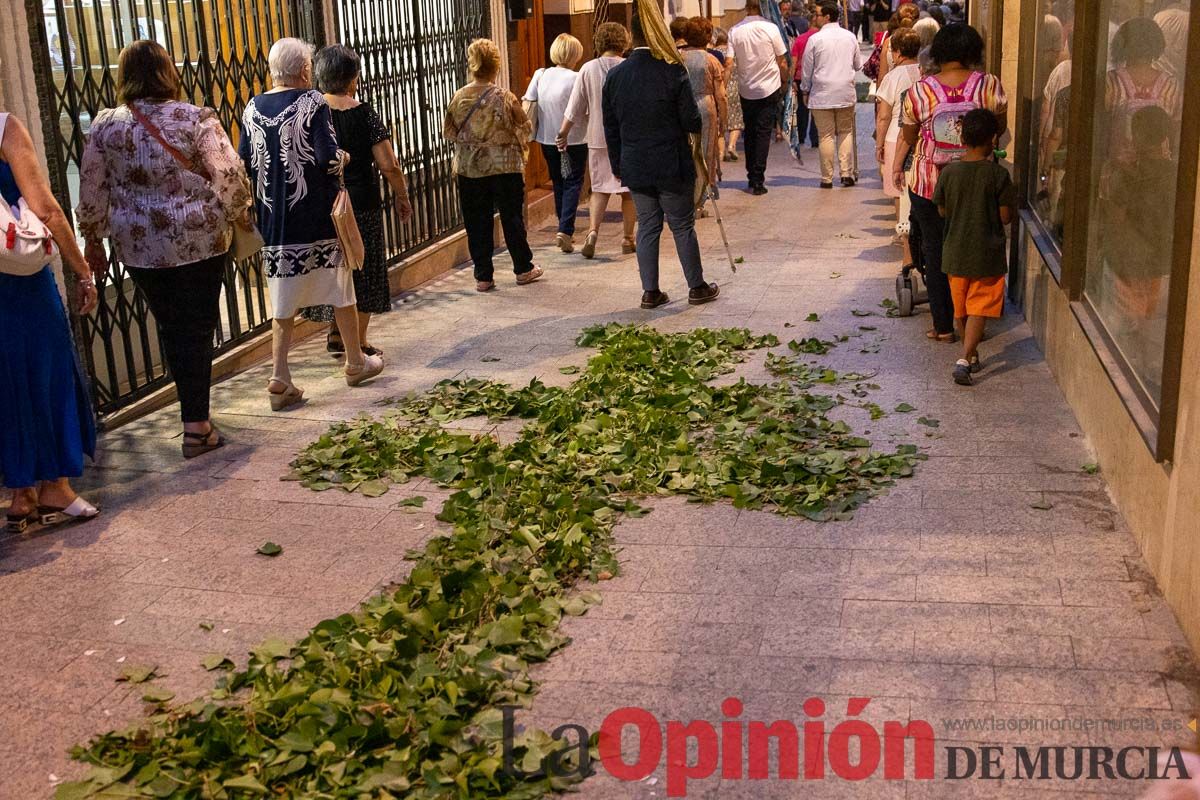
column 86, row 282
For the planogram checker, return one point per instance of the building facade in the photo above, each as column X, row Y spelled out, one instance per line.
column 1104, row 105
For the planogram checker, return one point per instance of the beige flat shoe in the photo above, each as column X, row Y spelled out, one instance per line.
column 372, row 366
column 531, row 276
column 484, row 286
column 564, row 243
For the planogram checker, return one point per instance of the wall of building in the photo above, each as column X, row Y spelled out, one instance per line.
column 1159, row 501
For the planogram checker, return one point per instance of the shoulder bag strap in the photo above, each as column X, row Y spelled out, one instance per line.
column 153, row 130
column 462, row 126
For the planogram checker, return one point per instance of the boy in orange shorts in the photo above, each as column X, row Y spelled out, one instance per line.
column 976, row 196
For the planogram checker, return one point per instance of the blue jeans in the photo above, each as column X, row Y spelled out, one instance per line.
column 566, row 189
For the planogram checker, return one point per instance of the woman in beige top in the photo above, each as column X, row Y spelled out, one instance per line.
column 611, row 41
column 490, row 131
column 161, row 181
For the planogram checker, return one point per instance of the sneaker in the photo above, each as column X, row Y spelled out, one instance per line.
column 654, row 299
column 565, row 243
column 733, row 156
column 848, row 182
column 826, row 184
column 975, row 364
column 962, row 372
column 758, row 190
column 703, row 294
column 589, row 244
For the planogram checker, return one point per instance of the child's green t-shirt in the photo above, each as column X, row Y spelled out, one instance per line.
column 972, row 193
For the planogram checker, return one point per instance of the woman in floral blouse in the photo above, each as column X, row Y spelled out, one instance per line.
column 161, row 182
column 490, row 132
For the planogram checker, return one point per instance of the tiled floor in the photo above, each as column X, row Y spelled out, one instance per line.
column 949, row 598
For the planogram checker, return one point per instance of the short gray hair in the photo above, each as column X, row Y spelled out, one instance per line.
column 335, row 68
column 288, row 58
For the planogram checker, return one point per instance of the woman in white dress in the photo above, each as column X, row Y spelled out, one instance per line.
column 905, row 46
column 293, row 161
column 584, row 108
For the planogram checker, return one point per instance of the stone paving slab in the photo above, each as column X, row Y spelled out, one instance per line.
column 950, row 598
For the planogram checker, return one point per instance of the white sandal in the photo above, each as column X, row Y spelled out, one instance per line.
column 77, row 511
column 372, row 366
column 290, row 395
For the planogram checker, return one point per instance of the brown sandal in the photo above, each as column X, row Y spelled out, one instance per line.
column 197, row 444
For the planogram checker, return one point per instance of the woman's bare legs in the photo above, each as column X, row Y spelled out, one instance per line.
column 363, row 321
column 597, row 206
column 56, row 494
column 733, row 140
column 281, row 343
column 347, row 322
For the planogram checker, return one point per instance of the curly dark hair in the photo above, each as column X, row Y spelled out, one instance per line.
column 611, row 36
column 678, row 27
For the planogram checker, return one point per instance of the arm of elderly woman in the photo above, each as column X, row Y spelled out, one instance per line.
column 324, row 141
column 520, row 120
column 18, row 152
column 230, row 183
column 390, row 169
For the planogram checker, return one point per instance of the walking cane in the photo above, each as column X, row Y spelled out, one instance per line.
column 721, row 225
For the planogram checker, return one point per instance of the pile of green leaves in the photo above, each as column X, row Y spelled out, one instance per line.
column 401, row 698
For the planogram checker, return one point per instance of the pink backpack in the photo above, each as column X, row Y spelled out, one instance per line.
column 1134, row 100
column 943, row 133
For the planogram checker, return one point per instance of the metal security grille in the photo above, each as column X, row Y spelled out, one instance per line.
column 220, row 48
column 413, row 60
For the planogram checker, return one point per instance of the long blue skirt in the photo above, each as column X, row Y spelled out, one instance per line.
column 46, row 421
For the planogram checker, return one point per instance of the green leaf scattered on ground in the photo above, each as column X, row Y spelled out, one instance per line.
column 1091, row 468
column 401, row 697
column 487, row 359
column 1042, row 505
column 414, row 502
column 835, row 275
column 206, row 626
column 269, row 549
column 156, row 694
column 932, row 423
column 813, row 317
column 904, row 408
column 569, row 370
column 216, row 661
column 137, row 673
column 860, row 313
column 740, row 260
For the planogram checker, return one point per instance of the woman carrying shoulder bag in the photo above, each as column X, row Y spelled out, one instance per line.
column 161, row 181
column 46, row 422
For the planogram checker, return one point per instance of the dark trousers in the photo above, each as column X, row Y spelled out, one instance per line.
column 185, row 302
column 860, row 20
column 480, row 199
column 929, row 223
column 678, row 208
column 566, row 189
column 759, row 116
column 805, row 124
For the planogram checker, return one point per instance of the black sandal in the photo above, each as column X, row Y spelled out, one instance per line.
column 19, row 523
column 197, row 444
column 334, row 344
column 371, row 350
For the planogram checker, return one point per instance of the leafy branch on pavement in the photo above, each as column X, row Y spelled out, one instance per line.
column 402, row 697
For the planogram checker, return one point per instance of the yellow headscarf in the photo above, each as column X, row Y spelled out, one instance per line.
column 658, row 36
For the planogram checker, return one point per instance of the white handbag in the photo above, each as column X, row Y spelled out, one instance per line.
column 26, row 244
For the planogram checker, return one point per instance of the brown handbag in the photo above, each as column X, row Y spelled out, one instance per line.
column 354, row 252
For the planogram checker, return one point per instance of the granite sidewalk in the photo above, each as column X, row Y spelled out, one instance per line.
column 951, row 598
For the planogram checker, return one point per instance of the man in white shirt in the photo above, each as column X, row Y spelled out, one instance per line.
column 830, row 61
column 761, row 64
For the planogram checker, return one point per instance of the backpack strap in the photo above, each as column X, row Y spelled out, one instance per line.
column 939, row 90
column 972, row 85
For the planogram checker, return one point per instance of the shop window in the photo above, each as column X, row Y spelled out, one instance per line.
column 1133, row 181
column 1053, row 39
